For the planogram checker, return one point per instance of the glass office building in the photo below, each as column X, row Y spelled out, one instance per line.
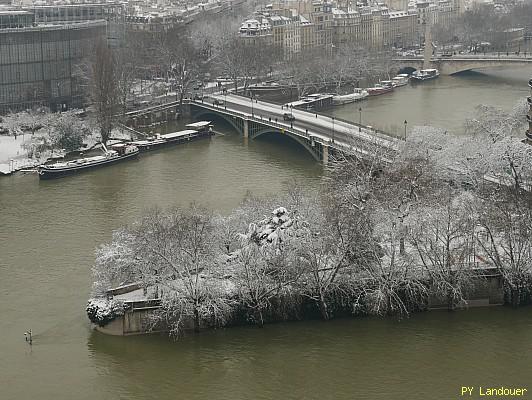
column 39, row 65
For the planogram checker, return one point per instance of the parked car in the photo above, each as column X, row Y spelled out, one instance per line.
column 289, row 117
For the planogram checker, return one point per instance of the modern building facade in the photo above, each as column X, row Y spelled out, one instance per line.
column 529, row 114
column 64, row 13
column 40, row 65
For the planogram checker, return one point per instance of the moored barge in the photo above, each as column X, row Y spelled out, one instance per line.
column 379, row 89
column 119, row 152
column 425, row 74
column 198, row 130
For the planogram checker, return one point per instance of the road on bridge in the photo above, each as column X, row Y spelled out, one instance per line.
column 318, row 125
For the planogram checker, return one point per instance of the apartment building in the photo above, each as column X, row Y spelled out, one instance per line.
column 303, row 25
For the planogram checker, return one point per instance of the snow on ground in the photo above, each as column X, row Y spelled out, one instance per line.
column 11, row 149
column 134, row 295
column 14, row 158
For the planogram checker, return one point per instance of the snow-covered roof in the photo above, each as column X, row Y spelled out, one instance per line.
column 174, row 135
column 199, row 124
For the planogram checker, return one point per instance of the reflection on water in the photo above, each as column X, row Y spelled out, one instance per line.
column 427, row 356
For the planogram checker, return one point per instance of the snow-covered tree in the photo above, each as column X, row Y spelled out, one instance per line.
column 67, row 131
column 506, row 241
column 443, row 236
column 60, row 131
column 267, row 263
column 178, row 254
column 102, row 79
column 327, row 257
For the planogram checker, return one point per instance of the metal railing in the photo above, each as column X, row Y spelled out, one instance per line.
column 298, row 131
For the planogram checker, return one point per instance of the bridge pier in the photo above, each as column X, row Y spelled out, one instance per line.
column 183, row 111
column 325, row 155
column 245, row 129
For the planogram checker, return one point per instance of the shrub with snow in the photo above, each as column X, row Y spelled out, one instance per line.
column 102, row 311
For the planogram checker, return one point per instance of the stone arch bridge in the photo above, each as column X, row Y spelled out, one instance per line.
column 322, row 136
column 461, row 63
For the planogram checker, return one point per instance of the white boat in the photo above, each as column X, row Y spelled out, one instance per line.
column 357, row 95
column 425, row 74
column 379, row 89
column 388, row 83
column 401, row 80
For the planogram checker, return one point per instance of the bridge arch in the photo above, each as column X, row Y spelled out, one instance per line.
column 256, row 129
column 236, row 123
column 407, row 70
column 314, row 152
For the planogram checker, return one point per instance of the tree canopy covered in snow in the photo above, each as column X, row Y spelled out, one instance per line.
column 382, row 236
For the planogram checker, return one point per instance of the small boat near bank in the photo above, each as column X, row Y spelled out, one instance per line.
column 401, row 80
column 357, row 95
column 118, row 152
column 379, row 89
column 425, row 74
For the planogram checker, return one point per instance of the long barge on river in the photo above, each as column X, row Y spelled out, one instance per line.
column 197, row 130
column 119, row 152
column 124, row 151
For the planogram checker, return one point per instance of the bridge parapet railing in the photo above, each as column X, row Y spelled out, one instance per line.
column 375, row 131
column 265, row 121
column 155, row 108
column 318, row 138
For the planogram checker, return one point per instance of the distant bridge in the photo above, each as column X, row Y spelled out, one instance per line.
column 320, row 135
column 460, row 63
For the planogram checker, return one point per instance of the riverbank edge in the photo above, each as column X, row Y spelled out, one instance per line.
column 144, row 316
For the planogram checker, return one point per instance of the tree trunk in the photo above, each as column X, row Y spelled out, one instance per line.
column 196, row 321
column 515, row 293
column 324, row 310
column 450, row 302
column 259, row 317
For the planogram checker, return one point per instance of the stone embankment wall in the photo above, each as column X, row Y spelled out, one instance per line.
column 138, row 318
column 487, row 291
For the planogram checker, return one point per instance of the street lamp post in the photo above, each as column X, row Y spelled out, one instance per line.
column 360, row 119
column 406, row 123
column 225, row 97
column 333, row 129
column 251, row 97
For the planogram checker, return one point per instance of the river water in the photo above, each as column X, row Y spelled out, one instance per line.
column 445, row 102
column 49, row 230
